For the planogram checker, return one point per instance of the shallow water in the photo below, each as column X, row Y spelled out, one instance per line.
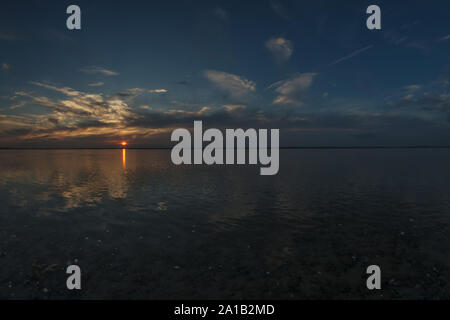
column 140, row 227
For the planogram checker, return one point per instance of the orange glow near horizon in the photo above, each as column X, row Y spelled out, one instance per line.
column 124, row 143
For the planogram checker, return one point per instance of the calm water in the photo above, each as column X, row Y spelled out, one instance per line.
column 140, row 227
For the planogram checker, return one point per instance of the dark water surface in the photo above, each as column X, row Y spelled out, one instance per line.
column 140, row 227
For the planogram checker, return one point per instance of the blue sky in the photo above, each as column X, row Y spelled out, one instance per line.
column 139, row 69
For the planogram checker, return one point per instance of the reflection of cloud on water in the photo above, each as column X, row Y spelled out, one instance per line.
column 77, row 178
column 162, row 206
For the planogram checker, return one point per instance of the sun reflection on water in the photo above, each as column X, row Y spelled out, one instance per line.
column 124, row 158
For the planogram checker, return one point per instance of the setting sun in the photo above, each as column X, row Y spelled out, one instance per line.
column 123, row 143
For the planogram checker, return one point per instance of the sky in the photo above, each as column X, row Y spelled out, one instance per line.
column 137, row 70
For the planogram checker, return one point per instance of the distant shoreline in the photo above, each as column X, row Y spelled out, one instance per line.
column 282, row 148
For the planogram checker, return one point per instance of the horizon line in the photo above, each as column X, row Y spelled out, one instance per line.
column 281, row 148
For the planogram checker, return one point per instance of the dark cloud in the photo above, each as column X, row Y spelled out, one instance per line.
column 318, row 128
column 53, row 120
column 429, row 102
column 108, row 119
column 124, row 94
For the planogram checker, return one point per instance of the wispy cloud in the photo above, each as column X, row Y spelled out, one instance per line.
column 5, row 67
column 411, row 90
column 395, row 37
column 76, row 106
column 138, row 91
column 417, row 44
column 292, row 91
column 426, row 105
column 445, row 38
column 18, row 105
column 235, row 107
column 75, row 116
column 96, row 84
column 351, row 55
column 413, row 87
column 83, row 119
column 200, row 112
column 236, row 86
column 157, row 91
column 99, row 70
column 281, row 48
column 279, row 9
column 65, row 90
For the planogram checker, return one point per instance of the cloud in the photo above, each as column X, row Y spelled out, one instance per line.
column 351, row 55
column 77, row 106
column 411, row 90
column 413, row 87
column 70, row 117
column 279, row 9
column 418, row 45
column 445, row 38
column 292, row 91
column 93, row 119
column 395, row 37
column 97, row 120
column 18, row 105
column 134, row 92
column 234, row 107
column 6, row 67
column 236, row 86
column 188, row 112
column 398, row 37
column 78, row 115
column 157, row 91
column 427, row 102
column 96, row 84
column 281, row 48
column 99, row 70
column 66, row 90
